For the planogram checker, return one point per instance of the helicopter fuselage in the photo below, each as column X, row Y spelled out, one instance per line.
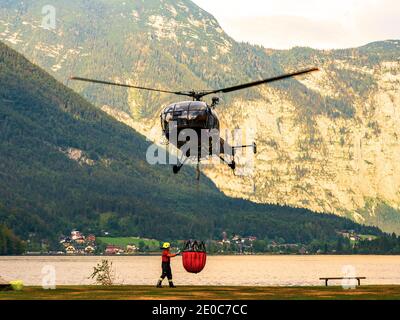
column 198, row 117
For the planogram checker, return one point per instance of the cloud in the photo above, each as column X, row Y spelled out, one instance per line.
column 286, row 31
column 314, row 23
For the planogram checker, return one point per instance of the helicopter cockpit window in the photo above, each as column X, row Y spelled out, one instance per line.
column 195, row 114
column 198, row 105
column 188, row 113
column 167, row 116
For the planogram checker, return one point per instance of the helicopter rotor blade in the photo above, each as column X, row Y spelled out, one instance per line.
column 260, row 82
column 130, row 86
column 197, row 95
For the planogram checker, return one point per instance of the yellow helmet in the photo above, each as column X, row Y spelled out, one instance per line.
column 166, row 245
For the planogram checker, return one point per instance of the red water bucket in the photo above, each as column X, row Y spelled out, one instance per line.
column 194, row 261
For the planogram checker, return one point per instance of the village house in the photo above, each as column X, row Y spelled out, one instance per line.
column 70, row 250
column 80, row 240
column 111, row 249
column 78, row 244
column 66, row 242
column 303, row 251
column 236, row 238
column 76, row 235
column 130, row 249
column 355, row 238
column 91, row 238
column 89, row 250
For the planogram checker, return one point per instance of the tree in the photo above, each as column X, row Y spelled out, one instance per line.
column 104, row 273
column 142, row 246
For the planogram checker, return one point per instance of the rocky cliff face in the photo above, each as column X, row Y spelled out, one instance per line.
column 328, row 141
column 346, row 166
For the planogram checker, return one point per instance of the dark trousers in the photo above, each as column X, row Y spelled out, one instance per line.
column 166, row 271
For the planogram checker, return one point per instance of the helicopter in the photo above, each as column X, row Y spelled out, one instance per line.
column 200, row 117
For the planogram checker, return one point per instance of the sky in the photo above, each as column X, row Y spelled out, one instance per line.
column 321, row 24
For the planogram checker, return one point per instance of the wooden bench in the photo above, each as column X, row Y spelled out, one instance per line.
column 344, row 278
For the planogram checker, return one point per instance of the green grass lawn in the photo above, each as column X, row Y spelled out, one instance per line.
column 203, row 293
column 124, row 241
column 367, row 236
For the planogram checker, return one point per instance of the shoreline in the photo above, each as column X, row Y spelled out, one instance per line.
column 156, row 254
column 384, row 292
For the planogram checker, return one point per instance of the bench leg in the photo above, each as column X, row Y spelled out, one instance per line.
column 326, row 282
column 359, row 282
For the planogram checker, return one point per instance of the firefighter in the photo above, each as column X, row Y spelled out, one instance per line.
column 166, row 265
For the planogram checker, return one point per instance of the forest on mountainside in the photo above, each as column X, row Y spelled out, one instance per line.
column 48, row 193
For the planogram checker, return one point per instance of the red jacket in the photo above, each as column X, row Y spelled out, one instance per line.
column 166, row 256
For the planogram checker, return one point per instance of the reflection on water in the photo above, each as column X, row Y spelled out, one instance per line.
column 220, row 270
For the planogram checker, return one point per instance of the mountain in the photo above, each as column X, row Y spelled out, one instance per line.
column 65, row 164
column 328, row 142
column 9, row 243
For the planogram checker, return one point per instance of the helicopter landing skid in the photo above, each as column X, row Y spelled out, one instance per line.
column 232, row 164
column 254, row 146
column 178, row 167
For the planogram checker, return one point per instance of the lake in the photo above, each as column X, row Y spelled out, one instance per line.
column 220, row 270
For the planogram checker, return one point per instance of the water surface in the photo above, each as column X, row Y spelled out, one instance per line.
column 220, row 270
